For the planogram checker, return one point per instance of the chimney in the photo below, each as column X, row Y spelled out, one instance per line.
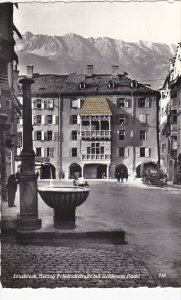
column 30, row 71
column 89, row 70
column 115, row 70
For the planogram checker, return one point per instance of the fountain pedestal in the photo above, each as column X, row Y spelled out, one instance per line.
column 64, row 201
column 64, row 217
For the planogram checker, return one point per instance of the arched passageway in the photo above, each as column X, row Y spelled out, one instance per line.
column 75, row 171
column 47, row 171
column 121, row 170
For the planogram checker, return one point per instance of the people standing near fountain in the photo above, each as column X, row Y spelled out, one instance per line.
column 13, row 181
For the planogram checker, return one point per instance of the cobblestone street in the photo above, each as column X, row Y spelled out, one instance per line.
column 46, row 266
column 150, row 256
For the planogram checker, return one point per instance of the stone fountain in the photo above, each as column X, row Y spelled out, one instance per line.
column 64, row 201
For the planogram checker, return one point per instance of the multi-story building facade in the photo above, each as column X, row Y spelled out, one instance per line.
column 9, row 104
column 163, row 124
column 174, row 118
column 170, row 120
column 104, row 123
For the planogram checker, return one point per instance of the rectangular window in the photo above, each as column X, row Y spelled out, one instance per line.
column 49, row 135
column 174, row 116
column 38, row 103
column 49, row 120
column 142, row 135
column 38, row 120
column 38, row 135
column 38, row 152
column 75, row 103
column 122, row 119
column 121, row 151
column 73, row 119
column 121, row 134
column 144, row 102
column 74, row 152
column 50, row 152
column 142, row 118
column 74, row 135
column 141, row 102
column 120, row 102
column 50, row 103
column 142, row 151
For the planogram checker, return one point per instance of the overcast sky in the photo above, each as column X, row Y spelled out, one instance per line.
column 130, row 21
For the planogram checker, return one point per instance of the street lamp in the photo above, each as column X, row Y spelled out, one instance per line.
column 28, row 217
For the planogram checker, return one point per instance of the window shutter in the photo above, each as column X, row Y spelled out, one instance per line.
column 117, row 152
column 138, row 152
column 126, row 102
column 42, row 152
column 34, row 120
column 51, row 151
column 147, row 102
column 78, row 119
column 54, row 120
column 45, row 104
column 42, row 103
column 74, row 103
column 32, row 104
column 42, row 135
column 43, row 120
column 56, row 136
column 147, row 152
column 126, row 152
column 45, row 152
column 35, row 136
column 78, row 103
column 45, row 136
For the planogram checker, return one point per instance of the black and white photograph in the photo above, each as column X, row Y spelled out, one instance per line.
column 90, row 146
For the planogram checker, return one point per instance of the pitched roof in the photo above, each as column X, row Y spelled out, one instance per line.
column 95, row 106
column 97, row 84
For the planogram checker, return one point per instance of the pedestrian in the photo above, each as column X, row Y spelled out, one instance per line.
column 122, row 175
column 118, row 177
column 13, row 181
column 104, row 176
column 126, row 177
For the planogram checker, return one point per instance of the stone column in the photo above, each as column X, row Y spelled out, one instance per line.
column 108, row 171
column 28, row 217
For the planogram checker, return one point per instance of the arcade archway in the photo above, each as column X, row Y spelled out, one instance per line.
column 75, row 171
column 121, row 169
column 47, row 171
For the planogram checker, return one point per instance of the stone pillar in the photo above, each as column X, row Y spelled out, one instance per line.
column 28, row 217
column 108, row 171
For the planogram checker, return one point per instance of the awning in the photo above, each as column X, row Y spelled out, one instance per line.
column 95, row 106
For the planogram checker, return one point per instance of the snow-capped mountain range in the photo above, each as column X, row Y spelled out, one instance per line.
column 144, row 61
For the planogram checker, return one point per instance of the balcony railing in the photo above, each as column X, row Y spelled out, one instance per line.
column 96, row 156
column 88, row 134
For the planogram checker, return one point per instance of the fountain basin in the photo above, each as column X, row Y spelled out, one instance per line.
column 64, row 201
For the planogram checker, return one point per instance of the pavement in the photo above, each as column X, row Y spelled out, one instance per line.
column 82, row 264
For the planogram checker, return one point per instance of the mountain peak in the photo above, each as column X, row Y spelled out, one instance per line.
column 144, row 60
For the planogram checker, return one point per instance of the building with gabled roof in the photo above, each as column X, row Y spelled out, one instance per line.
column 104, row 124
